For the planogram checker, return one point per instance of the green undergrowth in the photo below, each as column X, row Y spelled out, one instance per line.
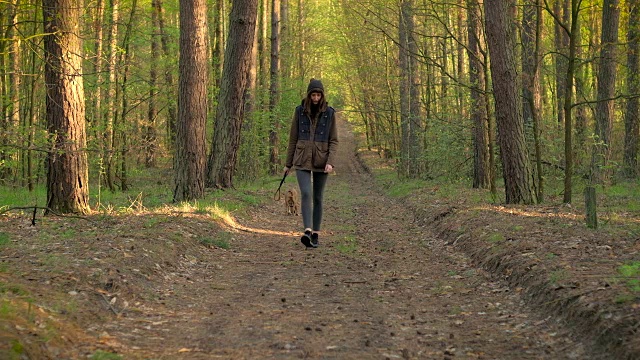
column 630, row 274
column 150, row 192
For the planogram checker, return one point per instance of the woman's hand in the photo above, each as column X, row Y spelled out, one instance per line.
column 328, row 168
column 286, row 170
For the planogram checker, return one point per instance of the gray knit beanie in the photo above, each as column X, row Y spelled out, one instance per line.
column 315, row 86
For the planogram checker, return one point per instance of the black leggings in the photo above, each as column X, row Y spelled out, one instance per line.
column 306, row 194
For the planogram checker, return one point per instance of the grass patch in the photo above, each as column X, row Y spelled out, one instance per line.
column 13, row 289
column 557, row 276
column 19, row 196
column 221, row 241
column 625, row 298
column 153, row 222
column 4, row 239
column 496, row 238
column 104, row 355
column 624, row 196
column 630, row 273
column 348, row 245
column 7, row 311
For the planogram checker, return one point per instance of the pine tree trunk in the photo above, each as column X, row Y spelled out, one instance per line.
column 168, row 77
column 67, row 166
column 632, row 115
column 479, row 116
column 405, row 115
column 510, row 124
column 110, row 96
column 226, row 141
column 123, row 130
column 605, row 111
column 97, row 61
column 15, row 77
column 561, row 10
column 568, row 100
column 531, row 101
column 150, row 131
column 190, row 156
column 274, row 88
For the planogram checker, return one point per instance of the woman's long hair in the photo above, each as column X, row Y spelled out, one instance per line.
column 307, row 103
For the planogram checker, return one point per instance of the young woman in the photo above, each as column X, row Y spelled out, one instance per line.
column 313, row 141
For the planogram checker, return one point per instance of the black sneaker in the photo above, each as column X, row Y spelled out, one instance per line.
column 314, row 240
column 306, row 239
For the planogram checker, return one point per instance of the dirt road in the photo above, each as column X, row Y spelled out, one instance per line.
column 380, row 286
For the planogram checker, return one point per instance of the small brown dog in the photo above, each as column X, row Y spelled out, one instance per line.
column 292, row 202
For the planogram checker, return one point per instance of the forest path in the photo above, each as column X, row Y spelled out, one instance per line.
column 378, row 287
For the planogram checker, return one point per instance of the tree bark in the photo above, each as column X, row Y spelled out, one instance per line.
column 531, row 99
column 110, row 96
column 168, row 77
column 510, row 124
column 126, row 127
column 573, row 22
column 67, row 166
column 561, row 12
column 229, row 117
column 605, row 111
column 15, row 78
column 632, row 114
column 190, row 156
column 274, row 88
column 479, row 116
column 416, row 168
column 150, row 131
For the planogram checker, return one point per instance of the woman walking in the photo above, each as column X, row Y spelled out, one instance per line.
column 313, row 141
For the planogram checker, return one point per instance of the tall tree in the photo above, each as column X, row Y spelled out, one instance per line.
column 15, row 78
column 510, row 125
column 98, row 47
column 190, row 156
column 237, row 59
column 479, row 115
column 110, row 96
column 150, row 130
column 68, row 170
column 409, row 93
column 569, row 26
column 531, row 99
column 605, row 111
column 125, row 126
column 562, row 15
column 632, row 115
column 274, row 87
column 168, row 74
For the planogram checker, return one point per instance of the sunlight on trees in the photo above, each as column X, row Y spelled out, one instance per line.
column 414, row 77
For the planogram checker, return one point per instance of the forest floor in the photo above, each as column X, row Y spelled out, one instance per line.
column 432, row 275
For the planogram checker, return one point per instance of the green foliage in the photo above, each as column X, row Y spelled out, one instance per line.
column 624, row 196
column 4, row 239
column 222, row 241
column 104, row 355
column 630, row 272
column 550, row 256
column 21, row 197
column 6, row 310
column 11, row 289
column 16, row 347
column 348, row 245
column 496, row 238
column 557, row 276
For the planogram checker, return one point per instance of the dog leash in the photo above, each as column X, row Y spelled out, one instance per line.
column 276, row 196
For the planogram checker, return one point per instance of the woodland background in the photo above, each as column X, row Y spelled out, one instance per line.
column 530, row 95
